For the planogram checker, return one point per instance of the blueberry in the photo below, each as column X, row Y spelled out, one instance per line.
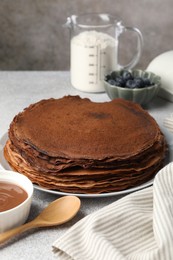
column 113, row 75
column 118, row 83
column 107, row 77
column 126, row 75
column 130, row 84
column 121, row 81
column 111, row 81
column 147, row 82
column 139, row 82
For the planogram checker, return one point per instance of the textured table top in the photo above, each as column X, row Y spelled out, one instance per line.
column 18, row 90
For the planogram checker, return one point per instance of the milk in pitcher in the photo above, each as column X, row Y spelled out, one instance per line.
column 93, row 55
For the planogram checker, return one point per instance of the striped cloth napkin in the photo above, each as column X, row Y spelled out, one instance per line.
column 136, row 227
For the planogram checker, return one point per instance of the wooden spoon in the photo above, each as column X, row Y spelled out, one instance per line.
column 57, row 213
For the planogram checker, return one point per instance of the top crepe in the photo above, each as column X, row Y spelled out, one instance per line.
column 78, row 128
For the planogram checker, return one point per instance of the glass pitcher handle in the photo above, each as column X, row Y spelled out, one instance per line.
column 137, row 56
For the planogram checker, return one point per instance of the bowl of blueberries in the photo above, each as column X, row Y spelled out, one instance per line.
column 135, row 85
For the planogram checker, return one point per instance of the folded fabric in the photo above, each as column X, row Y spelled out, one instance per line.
column 138, row 226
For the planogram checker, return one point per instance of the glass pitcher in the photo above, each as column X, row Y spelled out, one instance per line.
column 94, row 49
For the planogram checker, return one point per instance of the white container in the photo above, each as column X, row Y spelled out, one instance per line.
column 16, row 216
column 162, row 65
column 96, row 54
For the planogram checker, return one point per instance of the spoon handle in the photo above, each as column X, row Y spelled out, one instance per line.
column 10, row 233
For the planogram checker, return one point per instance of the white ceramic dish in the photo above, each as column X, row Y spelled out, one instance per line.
column 162, row 66
column 19, row 214
column 5, row 165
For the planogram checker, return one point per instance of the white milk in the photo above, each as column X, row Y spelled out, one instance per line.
column 93, row 55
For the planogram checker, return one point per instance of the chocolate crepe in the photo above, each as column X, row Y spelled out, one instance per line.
column 75, row 145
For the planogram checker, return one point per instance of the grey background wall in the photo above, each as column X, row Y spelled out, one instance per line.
column 32, row 36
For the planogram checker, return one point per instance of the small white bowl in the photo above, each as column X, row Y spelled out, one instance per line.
column 18, row 215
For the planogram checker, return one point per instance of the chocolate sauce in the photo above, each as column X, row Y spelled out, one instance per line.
column 11, row 195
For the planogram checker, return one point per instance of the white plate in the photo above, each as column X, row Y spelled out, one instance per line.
column 5, row 165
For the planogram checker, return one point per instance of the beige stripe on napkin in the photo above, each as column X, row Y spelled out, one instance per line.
column 136, row 227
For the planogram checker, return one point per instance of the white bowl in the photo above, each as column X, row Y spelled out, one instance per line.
column 19, row 214
column 162, row 65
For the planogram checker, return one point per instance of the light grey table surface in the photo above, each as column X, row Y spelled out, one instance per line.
column 17, row 91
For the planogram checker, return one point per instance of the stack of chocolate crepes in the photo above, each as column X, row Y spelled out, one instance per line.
column 79, row 146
